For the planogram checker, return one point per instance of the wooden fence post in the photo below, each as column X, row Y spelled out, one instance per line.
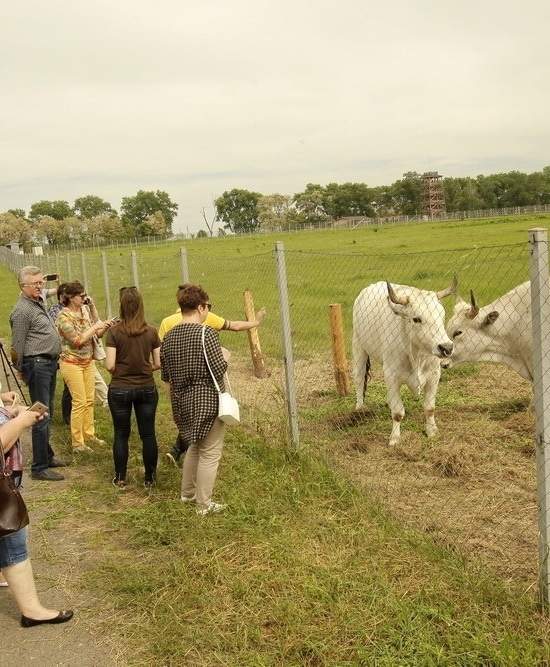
column 341, row 368
column 260, row 370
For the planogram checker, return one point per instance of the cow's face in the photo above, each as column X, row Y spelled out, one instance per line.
column 471, row 332
column 426, row 319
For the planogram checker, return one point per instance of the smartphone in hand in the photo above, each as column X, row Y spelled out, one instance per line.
column 51, row 276
column 39, row 407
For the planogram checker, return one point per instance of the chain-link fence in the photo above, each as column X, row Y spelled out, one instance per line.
column 375, row 363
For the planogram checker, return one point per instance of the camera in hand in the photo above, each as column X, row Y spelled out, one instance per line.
column 51, row 276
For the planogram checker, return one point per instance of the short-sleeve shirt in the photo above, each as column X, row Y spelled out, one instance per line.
column 133, row 356
column 168, row 323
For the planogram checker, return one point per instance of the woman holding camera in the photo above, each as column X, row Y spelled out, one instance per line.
column 133, row 353
column 77, row 365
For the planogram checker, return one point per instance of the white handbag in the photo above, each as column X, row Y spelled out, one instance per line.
column 98, row 351
column 228, row 407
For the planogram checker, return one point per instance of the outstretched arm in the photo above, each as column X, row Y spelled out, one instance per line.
column 245, row 325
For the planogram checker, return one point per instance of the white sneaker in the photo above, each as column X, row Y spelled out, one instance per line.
column 188, row 499
column 210, row 508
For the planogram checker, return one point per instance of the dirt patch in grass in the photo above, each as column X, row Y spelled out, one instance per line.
column 473, row 486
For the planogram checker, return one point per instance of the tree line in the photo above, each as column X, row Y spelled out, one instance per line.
column 151, row 213
column 243, row 211
column 90, row 219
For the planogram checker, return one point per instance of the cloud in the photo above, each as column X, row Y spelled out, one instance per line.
column 196, row 98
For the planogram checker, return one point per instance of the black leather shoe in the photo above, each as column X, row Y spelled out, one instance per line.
column 62, row 617
column 57, row 463
column 47, row 475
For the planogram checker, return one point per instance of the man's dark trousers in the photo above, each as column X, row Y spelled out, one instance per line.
column 40, row 375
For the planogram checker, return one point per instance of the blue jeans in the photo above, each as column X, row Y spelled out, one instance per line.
column 13, row 548
column 144, row 401
column 40, row 374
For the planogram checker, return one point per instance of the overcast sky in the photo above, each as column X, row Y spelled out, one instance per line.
column 195, row 98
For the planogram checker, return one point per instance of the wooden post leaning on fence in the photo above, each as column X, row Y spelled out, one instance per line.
column 341, row 367
column 258, row 361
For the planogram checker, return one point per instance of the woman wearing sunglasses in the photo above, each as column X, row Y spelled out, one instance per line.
column 77, row 365
column 133, row 353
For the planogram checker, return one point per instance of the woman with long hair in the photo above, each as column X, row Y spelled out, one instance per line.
column 195, row 397
column 133, row 353
column 77, row 365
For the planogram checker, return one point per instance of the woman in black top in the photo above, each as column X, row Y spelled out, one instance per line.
column 194, row 396
column 133, row 353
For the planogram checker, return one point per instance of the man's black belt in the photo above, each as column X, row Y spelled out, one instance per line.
column 51, row 357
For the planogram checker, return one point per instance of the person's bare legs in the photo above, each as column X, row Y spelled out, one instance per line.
column 21, row 583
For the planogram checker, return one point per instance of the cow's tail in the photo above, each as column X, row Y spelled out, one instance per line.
column 367, row 376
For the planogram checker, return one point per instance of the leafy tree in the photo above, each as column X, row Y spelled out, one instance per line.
column 382, row 200
column 17, row 212
column 222, row 232
column 347, row 199
column 311, row 203
column 273, row 211
column 407, row 194
column 238, row 210
column 105, row 227
column 58, row 209
column 137, row 209
column 14, row 228
column 51, row 229
column 155, row 224
column 89, row 206
column 202, row 234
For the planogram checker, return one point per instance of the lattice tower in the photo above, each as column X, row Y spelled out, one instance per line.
column 433, row 196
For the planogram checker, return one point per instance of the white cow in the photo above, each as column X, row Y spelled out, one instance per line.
column 499, row 332
column 404, row 329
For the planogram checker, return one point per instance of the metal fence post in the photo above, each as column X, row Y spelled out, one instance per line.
column 184, row 264
column 288, row 356
column 135, row 273
column 106, row 285
column 84, row 272
column 540, row 314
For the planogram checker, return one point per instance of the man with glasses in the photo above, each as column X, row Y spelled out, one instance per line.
column 215, row 322
column 36, row 348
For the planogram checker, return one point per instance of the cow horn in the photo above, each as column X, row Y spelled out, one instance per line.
column 402, row 301
column 449, row 290
column 474, row 310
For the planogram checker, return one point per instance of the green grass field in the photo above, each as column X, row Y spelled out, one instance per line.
column 323, row 267
column 345, row 554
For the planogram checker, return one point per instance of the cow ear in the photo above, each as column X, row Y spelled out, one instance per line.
column 491, row 318
column 397, row 308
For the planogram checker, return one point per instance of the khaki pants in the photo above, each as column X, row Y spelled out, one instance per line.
column 200, row 466
column 100, row 388
column 81, row 383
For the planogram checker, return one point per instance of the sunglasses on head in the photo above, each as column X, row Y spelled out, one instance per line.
column 123, row 289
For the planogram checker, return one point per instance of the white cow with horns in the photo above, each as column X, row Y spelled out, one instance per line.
column 403, row 328
column 499, row 332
